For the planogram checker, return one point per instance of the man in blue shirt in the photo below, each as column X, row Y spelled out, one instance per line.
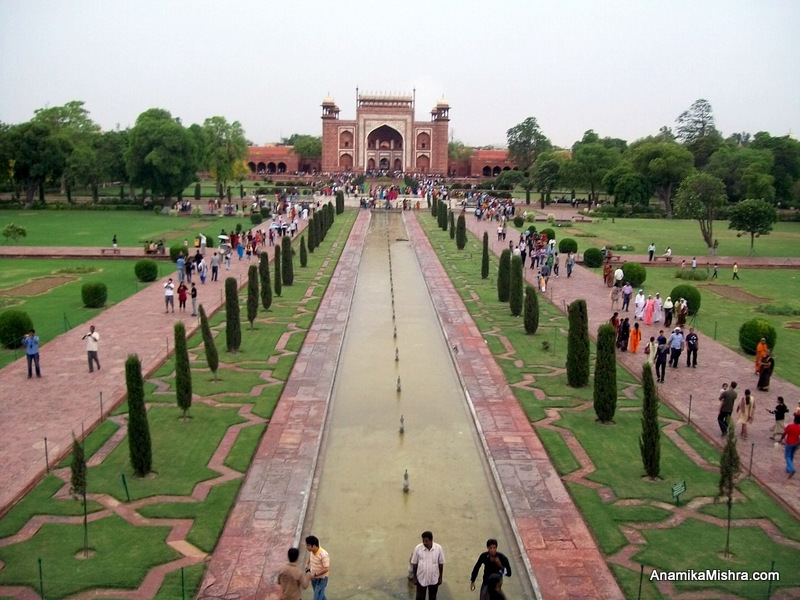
column 31, row 343
column 675, row 347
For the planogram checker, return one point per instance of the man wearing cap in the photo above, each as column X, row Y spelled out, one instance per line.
column 675, row 347
column 692, row 344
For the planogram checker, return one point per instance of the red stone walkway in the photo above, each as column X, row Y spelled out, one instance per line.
column 716, row 364
column 68, row 397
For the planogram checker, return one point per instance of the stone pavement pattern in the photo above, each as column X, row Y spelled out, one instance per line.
column 716, row 364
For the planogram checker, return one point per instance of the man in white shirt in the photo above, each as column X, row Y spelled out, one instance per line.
column 427, row 562
column 618, row 276
column 92, row 338
column 169, row 295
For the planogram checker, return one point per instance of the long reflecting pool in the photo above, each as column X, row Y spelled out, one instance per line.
column 358, row 508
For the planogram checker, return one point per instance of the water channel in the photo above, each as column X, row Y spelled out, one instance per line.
column 358, row 508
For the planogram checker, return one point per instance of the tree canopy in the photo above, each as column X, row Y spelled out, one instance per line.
column 696, row 122
column 225, row 147
column 699, row 197
column 305, row 145
column 526, row 142
column 664, row 164
column 754, row 217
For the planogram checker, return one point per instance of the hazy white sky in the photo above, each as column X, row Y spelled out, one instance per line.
column 622, row 68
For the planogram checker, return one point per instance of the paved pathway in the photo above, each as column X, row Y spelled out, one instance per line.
column 67, row 397
column 126, row 253
column 716, row 363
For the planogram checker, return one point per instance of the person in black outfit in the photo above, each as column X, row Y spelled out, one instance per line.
column 691, row 348
column 662, row 354
column 494, row 563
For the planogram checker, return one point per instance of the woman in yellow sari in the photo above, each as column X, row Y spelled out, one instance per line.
column 761, row 352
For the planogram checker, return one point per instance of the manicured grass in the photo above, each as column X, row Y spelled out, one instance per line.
column 683, row 236
column 61, row 308
column 700, row 445
column 629, row 582
column 123, row 556
column 97, row 228
column 558, row 451
column 172, row 587
column 94, row 441
column 243, row 448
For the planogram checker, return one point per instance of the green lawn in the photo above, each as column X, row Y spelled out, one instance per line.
column 61, row 308
column 683, row 236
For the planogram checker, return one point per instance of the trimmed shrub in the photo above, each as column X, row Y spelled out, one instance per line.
column 692, row 274
column 212, row 356
column 252, row 294
column 519, row 221
column 605, row 374
column 256, row 218
column 266, row 285
column 578, row 344
column 461, row 232
column 94, row 294
column 567, row 245
column 14, row 325
column 531, row 312
column 504, row 276
column 287, row 264
column 485, row 257
column 551, row 233
column 303, row 252
column 146, row 270
column 197, row 191
column 278, row 276
column 516, row 282
column 233, row 326
column 688, row 292
column 175, row 251
column 751, row 332
column 635, row 273
column 312, row 242
column 183, row 373
column 139, row 444
column 650, row 440
column 592, row 257
column 452, row 226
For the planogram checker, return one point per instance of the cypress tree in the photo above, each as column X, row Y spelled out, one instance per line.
column 183, row 372
column 197, row 191
column 312, row 243
column 339, row 203
column 485, row 258
column 266, row 285
column 650, row 440
column 322, row 226
column 303, row 252
column 252, row 294
column 605, row 374
column 212, row 357
column 233, row 326
column 531, row 316
column 287, row 258
column 139, row 444
column 77, row 486
column 461, row 232
column 444, row 212
column 578, row 345
column 729, row 467
column 278, row 276
column 504, row 276
column 515, row 286
column 331, row 215
column 434, row 209
column 452, row 226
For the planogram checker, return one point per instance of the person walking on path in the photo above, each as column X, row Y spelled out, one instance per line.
column 493, row 563
column 735, row 270
column 651, row 250
column 627, row 290
column 193, row 294
column 180, row 264
column 662, row 354
column 792, row 436
column 675, row 347
column 658, row 305
column 761, row 352
column 618, row 276
column 182, row 289
column 291, row 579
column 427, row 563
column 780, row 414
column 614, row 295
column 169, row 295
column 668, row 311
column 636, row 337
column 92, row 338
column 318, row 567
column 31, row 343
column 650, row 350
column 727, row 400
column 715, row 274
column 745, row 410
column 114, row 241
column 765, row 372
column 214, row 267
column 692, row 345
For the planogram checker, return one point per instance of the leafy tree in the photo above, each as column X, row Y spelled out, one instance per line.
column 531, row 314
column 754, row 217
column 212, row 357
column 786, row 164
column 278, row 267
column 225, row 148
column 305, row 145
column 111, row 147
column 287, row 258
column 526, row 142
column 650, row 440
column 14, row 232
column 696, row 122
column 699, row 197
column 266, row 285
column 139, row 443
column 509, row 179
column 162, row 155
column 704, row 147
column 183, row 372
column 746, row 172
column 461, row 232
column 303, row 252
column 605, row 374
column 38, row 153
column 233, row 326
column 485, row 257
column 545, row 175
column 729, row 467
column 516, row 281
column 504, row 276
column 590, row 163
column 664, row 164
column 578, row 344
column 252, row 294
column 627, row 186
column 456, row 150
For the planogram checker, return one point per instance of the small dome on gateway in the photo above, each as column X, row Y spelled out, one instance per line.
column 442, row 103
column 328, row 100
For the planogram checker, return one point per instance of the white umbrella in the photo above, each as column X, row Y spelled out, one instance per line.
column 223, row 237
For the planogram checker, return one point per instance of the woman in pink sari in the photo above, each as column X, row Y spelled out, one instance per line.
column 649, row 309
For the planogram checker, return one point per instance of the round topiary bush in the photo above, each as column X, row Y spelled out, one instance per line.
column 175, row 251
column 551, row 233
column 592, row 257
column 94, row 294
column 519, row 221
column 256, row 219
column 635, row 273
column 567, row 245
column 690, row 293
column 751, row 332
column 14, row 324
column 146, row 270
column 532, row 229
